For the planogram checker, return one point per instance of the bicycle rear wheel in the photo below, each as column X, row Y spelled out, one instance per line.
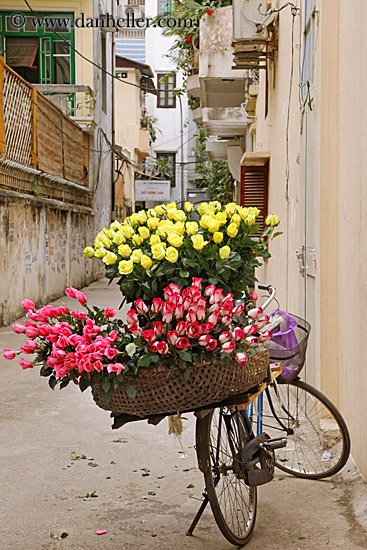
column 220, row 437
column 318, row 440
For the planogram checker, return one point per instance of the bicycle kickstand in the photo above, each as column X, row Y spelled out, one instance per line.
column 198, row 515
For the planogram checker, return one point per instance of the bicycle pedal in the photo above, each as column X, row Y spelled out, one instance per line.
column 276, row 443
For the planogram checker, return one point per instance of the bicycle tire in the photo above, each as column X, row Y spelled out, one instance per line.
column 318, row 441
column 206, row 432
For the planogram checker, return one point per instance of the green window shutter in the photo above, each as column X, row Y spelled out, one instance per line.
column 2, row 46
column 45, row 61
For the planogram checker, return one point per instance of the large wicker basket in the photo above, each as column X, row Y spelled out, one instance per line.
column 165, row 393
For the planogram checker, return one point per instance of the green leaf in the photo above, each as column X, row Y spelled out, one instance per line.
column 83, row 383
column 185, row 356
column 277, row 234
column 52, row 382
column 106, row 384
column 46, row 370
column 187, row 374
column 130, row 391
column 190, row 486
column 64, row 383
column 144, row 361
column 184, row 274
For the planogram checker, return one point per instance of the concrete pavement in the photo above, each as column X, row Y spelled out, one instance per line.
column 141, row 479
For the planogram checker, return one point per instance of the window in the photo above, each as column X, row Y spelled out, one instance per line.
column 165, row 6
column 166, row 166
column 254, row 191
column 61, row 59
column 166, row 96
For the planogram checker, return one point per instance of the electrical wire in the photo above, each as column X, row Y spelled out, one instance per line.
column 89, row 60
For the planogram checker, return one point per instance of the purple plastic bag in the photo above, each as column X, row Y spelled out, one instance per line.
column 282, row 341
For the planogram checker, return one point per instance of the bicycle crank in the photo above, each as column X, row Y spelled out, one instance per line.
column 255, row 464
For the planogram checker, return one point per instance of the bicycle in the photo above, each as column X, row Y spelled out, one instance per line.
column 236, row 456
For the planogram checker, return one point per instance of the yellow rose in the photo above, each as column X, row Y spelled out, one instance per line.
column 171, row 254
column 243, row 213
column 218, row 237
column 152, row 213
column 272, row 220
column 174, row 239
column 232, row 230
column 154, row 239
column 137, row 240
column 115, row 225
column 146, row 262
column 100, row 253
column 192, row 228
column 162, row 232
column 160, row 210
column 171, row 205
column 110, row 258
column 105, row 241
column 205, row 220
column 134, row 219
column 142, row 217
column 144, row 232
column 202, row 208
column 118, row 238
column 224, row 252
column 89, row 252
column 171, row 212
column 213, row 225
column 221, row 217
column 216, row 205
column 127, row 231
column 136, row 256
column 126, row 267
column 179, row 228
column 109, row 233
column 255, row 211
column 124, row 250
column 188, row 206
column 231, row 208
column 198, row 242
column 180, row 216
column 158, row 251
column 251, row 219
column 236, row 219
column 153, row 223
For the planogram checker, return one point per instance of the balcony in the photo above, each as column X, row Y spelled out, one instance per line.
column 42, row 152
column 220, row 85
column 225, row 122
column 76, row 101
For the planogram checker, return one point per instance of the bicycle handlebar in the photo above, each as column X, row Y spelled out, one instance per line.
column 272, row 292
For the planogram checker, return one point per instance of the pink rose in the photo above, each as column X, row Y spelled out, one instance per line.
column 208, row 327
column 25, row 364
column 181, row 328
column 9, row 353
column 44, row 329
column 200, row 314
column 31, row 344
column 226, row 307
column 71, row 292
column 131, row 316
column 157, row 305
column 162, row 348
column 228, row 347
column 255, row 312
column 212, row 344
column 241, row 358
column 58, row 311
column 28, row 305
column 141, row 307
column 115, row 367
column 209, row 290
column 254, row 297
column 265, row 336
column 196, row 281
column 109, row 312
column 172, row 336
column 135, row 330
column 52, row 361
column 237, row 311
column 82, row 299
column 238, row 334
column 250, row 330
column 18, row 328
column 74, row 339
column 79, row 314
column 191, row 315
column 252, row 340
column 158, row 328
column 31, row 332
column 193, row 330
column 217, row 296
column 225, row 337
column 214, row 317
column 179, row 311
column 149, row 335
column 48, row 311
column 113, row 336
column 182, row 343
column 204, row 340
column 262, row 321
column 226, row 320
column 111, row 353
column 168, row 310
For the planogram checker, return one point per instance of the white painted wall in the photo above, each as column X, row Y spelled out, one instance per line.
column 169, row 120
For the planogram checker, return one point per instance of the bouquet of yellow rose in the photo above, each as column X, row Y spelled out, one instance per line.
column 163, row 245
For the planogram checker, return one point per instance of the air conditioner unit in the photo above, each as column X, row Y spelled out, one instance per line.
column 248, row 21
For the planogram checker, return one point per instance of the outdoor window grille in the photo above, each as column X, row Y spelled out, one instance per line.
column 254, row 191
column 167, row 166
column 166, row 95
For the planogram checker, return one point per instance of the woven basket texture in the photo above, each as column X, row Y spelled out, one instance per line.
column 165, row 393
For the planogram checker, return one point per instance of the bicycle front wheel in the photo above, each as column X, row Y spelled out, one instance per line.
column 220, row 438
column 318, row 440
